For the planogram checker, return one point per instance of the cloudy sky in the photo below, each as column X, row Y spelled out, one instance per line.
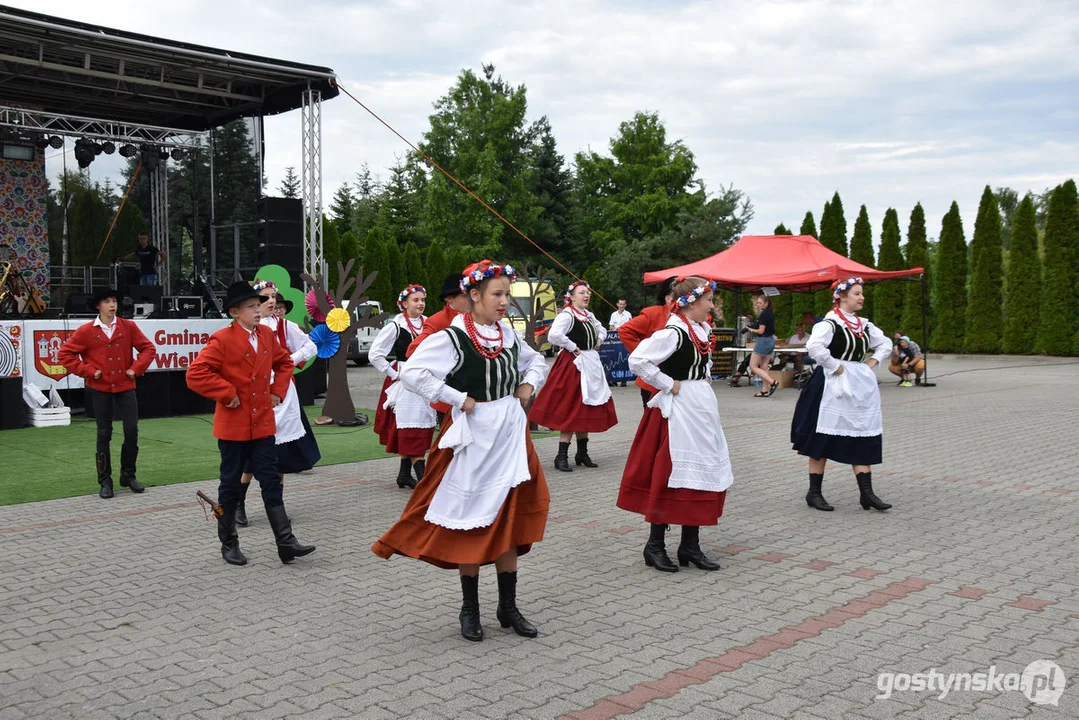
column 890, row 103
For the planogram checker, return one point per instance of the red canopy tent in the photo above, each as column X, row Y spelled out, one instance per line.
column 796, row 263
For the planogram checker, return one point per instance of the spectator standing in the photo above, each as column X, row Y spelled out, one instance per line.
column 150, row 259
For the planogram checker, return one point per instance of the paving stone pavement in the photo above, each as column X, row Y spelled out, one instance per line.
column 124, row 608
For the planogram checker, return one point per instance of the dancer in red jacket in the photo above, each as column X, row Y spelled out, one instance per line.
column 101, row 352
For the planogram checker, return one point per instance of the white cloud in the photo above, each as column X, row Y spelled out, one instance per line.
column 888, row 102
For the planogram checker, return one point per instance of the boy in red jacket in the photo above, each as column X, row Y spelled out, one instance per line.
column 235, row 369
column 101, row 352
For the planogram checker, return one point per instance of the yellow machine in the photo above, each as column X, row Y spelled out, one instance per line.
column 533, row 309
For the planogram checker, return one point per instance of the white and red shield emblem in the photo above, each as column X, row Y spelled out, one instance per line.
column 47, row 352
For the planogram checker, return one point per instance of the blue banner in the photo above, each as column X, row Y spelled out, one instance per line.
column 615, row 359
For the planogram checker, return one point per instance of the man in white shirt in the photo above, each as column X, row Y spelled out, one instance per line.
column 798, row 339
column 619, row 317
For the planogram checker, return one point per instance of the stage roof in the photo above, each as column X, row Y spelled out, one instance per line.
column 69, row 68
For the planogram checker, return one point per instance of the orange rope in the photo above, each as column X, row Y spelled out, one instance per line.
column 117, row 215
column 461, row 185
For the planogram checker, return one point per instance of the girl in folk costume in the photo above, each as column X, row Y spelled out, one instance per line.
column 294, row 442
column 678, row 469
column 484, row 498
column 838, row 412
column 404, row 421
column 577, row 398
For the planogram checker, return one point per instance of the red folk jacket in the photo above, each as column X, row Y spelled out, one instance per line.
column 437, row 322
column 90, row 350
column 631, row 333
column 228, row 367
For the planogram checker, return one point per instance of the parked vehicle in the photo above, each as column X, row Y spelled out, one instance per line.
column 545, row 296
column 360, row 345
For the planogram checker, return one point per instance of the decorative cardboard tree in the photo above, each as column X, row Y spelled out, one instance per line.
column 350, row 291
column 537, row 303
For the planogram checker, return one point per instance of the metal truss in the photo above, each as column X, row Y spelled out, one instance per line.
column 159, row 221
column 33, row 122
column 311, row 181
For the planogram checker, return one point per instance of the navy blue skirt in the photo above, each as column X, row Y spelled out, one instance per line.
column 299, row 455
column 840, row 448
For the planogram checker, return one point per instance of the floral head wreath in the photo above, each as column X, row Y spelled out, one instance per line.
column 842, row 287
column 260, row 285
column 408, row 291
column 568, row 295
column 476, row 273
column 694, row 294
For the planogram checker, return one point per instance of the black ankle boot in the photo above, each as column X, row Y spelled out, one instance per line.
column 868, row 498
column 689, row 551
column 655, row 551
column 404, row 474
column 241, row 509
column 104, row 475
column 128, row 457
column 581, row 458
column 561, row 460
column 814, row 498
column 470, row 608
column 508, row 615
column 288, row 547
column 230, row 541
column 419, row 468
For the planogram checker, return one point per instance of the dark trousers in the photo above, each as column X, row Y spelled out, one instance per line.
column 260, row 456
column 125, row 407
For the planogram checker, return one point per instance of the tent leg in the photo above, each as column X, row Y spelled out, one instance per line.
column 925, row 333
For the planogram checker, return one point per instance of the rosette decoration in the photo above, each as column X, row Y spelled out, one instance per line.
column 326, row 341
column 338, row 319
column 311, row 303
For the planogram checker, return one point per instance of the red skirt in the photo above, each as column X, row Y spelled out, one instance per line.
column 560, row 406
column 644, row 481
column 520, row 522
column 410, row 442
column 382, row 414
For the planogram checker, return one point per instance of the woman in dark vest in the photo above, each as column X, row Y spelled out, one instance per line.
column 678, row 469
column 838, row 412
column 577, row 398
column 483, row 499
column 405, row 423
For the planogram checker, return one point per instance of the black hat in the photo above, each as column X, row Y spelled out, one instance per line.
column 451, row 286
column 286, row 303
column 101, row 294
column 240, row 291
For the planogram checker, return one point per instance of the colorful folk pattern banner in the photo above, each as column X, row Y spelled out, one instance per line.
column 24, row 231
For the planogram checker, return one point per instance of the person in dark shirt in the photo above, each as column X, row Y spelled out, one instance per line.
column 150, row 258
column 765, row 330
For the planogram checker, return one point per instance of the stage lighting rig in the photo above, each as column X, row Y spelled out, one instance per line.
column 108, row 147
column 56, row 142
column 85, row 152
column 128, row 151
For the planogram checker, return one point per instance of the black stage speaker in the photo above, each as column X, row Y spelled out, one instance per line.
column 79, row 304
column 12, row 407
column 146, row 294
column 280, row 235
column 273, row 209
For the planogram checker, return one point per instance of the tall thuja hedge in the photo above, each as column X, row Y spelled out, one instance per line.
column 985, row 318
column 436, row 273
column 803, row 302
column 1023, row 287
column 781, row 306
column 861, row 251
column 917, row 256
column 888, row 295
column 833, row 235
column 950, row 300
column 377, row 258
column 1058, row 305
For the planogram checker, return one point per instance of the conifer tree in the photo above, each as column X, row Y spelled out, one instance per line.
column 802, row 303
column 985, row 300
column 950, row 291
column 888, row 295
column 917, row 256
column 1058, row 305
column 376, row 258
column 1023, row 287
column 861, row 251
column 436, row 272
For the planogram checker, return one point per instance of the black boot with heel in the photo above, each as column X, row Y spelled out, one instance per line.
column 868, row 498
column 561, row 460
column 404, row 474
column 581, row 458
column 104, row 475
column 814, row 498
column 689, row 551
column 241, row 509
column 288, row 547
column 655, row 551
column 470, row 608
column 508, row 615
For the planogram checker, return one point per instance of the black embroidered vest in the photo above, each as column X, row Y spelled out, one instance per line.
column 481, row 379
column 686, row 363
column 583, row 333
column 846, row 345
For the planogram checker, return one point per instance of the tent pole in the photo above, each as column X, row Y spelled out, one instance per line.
column 925, row 334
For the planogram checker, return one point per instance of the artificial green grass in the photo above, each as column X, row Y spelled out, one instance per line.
column 58, row 462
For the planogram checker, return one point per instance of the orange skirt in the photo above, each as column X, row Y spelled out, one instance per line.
column 519, row 524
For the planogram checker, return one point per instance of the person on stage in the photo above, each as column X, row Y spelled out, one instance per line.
column 150, row 259
column 101, row 353
column 248, row 373
column 679, row 468
column 837, row 416
column 650, row 320
column 405, row 423
column 294, row 442
column 577, row 398
column 484, row 498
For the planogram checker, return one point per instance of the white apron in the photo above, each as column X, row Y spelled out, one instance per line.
column 409, row 409
column 490, row 458
column 287, row 416
column 699, row 456
column 850, row 405
column 594, row 388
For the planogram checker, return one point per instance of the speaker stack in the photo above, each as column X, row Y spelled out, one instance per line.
column 280, row 235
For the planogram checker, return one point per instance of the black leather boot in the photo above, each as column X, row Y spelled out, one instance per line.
column 241, row 509
column 508, row 615
column 581, row 458
column 470, row 608
column 561, row 460
column 814, row 498
column 419, row 467
column 868, row 498
column 288, row 547
column 128, row 457
column 104, row 475
column 655, row 551
column 404, row 474
column 689, row 551
column 230, row 541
